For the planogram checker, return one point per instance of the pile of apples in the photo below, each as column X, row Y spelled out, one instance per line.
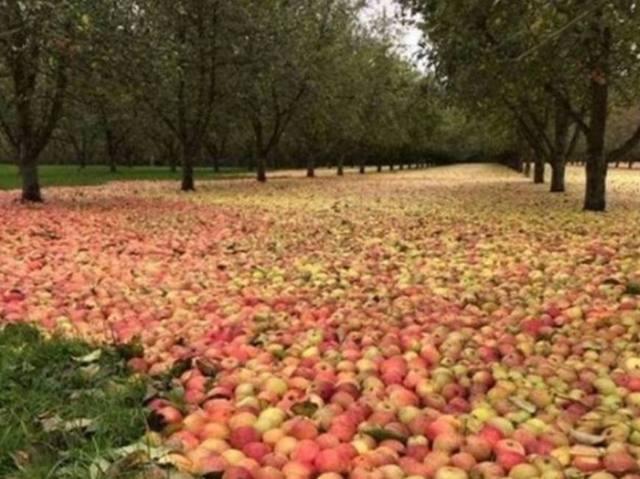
column 353, row 329
column 419, row 396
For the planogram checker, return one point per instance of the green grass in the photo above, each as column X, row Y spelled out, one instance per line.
column 71, row 175
column 61, row 410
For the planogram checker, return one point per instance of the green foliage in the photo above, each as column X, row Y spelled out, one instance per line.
column 62, row 405
column 541, row 68
column 633, row 289
column 181, row 81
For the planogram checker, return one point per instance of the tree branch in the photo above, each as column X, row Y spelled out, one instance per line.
column 7, row 130
column 540, row 129
column 564, row 100
column 626, row 147
column 573, row 143
column 55, row 112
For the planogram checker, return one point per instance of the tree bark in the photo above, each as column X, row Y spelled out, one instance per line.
column 188, row 183
column 80, row 150
column 311, row 167
column 84, row 152
column 29, row 139
column 262, row 168
column 30, row 181
column 538, row 169
column 519, row 165
column 216, row 153
column 340, row 165
column 596, row 169
column 559, row 153
column 112, row 149
column 557, row 178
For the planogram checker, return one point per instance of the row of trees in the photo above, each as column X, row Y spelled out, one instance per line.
column 190, row 82
column 553, row 72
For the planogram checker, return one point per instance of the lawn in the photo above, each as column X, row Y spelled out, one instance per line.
column 449, row 323
column 71, row 175
column 65, row 405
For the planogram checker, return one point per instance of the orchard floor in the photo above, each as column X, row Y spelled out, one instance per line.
column 452, row 322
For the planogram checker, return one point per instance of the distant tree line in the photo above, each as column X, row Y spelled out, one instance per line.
column 555, row 76
column 257, row 84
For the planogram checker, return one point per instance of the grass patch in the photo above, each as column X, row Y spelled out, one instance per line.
column 63, row 404
column 70, row 175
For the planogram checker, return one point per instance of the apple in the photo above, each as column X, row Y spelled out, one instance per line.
column 305, row 451
column 242, row 436
column 449, row 472
column 524, row 471
column 330, row 460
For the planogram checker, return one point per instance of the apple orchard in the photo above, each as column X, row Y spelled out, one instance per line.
column 450, row 323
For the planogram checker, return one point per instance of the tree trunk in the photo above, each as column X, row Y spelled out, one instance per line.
column 595, row 193
column 340, row 165
column 379, row 168
column 30, row 182
column 82, row 160
column 538, row 169
column 112, row 150
column 517, row 162
column 559, row 153
column 216, row 153
column 557, row 176
column 527, row 166
column 311, row 167
column 596, row 188
column 262, row 168
column 80, row 149
column 187, row 170
column 362, row 168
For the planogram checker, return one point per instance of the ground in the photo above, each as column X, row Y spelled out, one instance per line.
column 421, row 319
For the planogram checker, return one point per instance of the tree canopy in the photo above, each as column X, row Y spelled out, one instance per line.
column 552, row 70
column 261, row 84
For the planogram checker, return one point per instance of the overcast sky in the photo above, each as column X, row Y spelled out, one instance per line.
column 410, row 35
